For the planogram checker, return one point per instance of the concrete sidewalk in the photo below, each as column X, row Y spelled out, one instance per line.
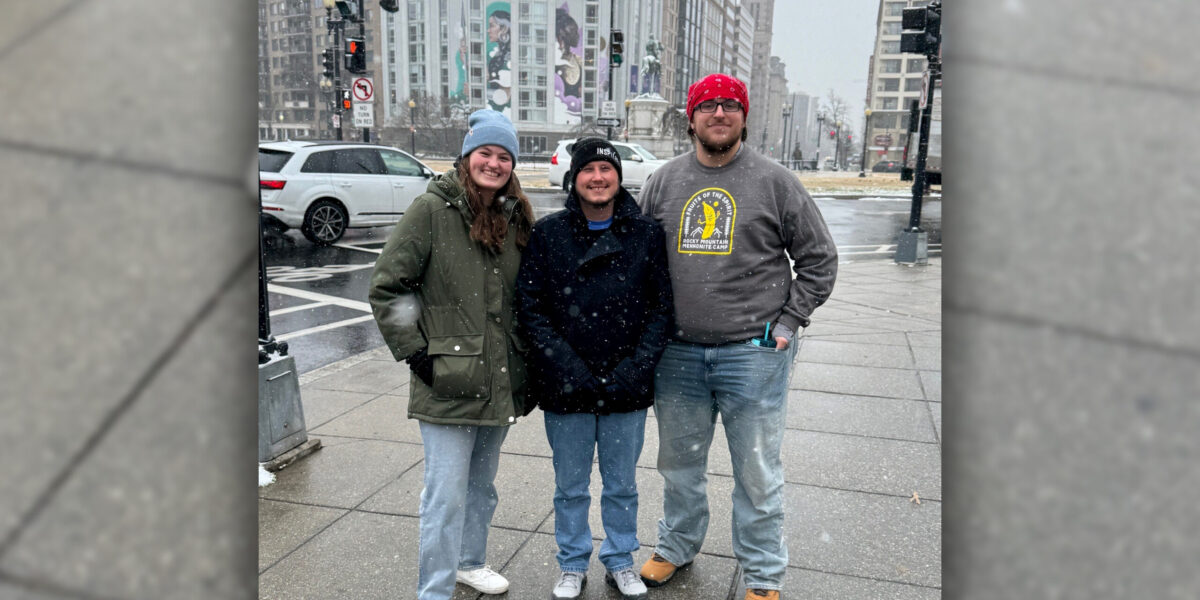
column 863, row 436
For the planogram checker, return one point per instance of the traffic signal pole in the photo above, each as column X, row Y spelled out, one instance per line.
column 913, row 245
column 362, row 34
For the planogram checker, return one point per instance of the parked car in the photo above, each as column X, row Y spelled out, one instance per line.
column 887, row 166
column 637, row 163
column 326, row 187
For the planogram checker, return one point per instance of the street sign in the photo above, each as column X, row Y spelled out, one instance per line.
column 883, row 140
column 605, row 122
column 337, row 121
column 608, row 109
column 363, row 89
column 364, row 114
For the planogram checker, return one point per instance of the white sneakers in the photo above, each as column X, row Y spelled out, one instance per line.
column 483, row 579
column 569, row 586
column 628, row 582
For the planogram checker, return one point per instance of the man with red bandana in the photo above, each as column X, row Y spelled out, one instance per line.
column 750, row 258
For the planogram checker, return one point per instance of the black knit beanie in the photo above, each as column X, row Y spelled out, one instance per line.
column 587, row 150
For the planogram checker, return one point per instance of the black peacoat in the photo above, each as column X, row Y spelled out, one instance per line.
column 594, row 310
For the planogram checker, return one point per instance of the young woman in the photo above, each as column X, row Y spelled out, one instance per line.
column 442, row 295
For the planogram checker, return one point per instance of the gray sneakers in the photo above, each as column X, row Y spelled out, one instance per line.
column 569, row 586
column 628, row 582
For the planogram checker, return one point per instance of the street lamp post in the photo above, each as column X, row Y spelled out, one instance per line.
column 787, row 114
column 820, row 134
column 862, row 162
column 837, row 145
column 412, row 125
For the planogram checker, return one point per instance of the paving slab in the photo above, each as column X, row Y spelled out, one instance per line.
column 157, row 473
column 860, row 415
column 836, row 352
column 117, row 113
column 1105, row 251
column 1052, row 36
column 896, row 323
column 284, row 526
column 927, row 358
column 931, row 382
column 56, row 389
column 524, row 484
column 815, row 585
column 366, row 556
column 859, row 381
column 863, row 464
column 30, row 19
column 534, row 572
column 863, row 535
column 321, row 406
column 345, row 474
column 886, row 339
column 382, row 418
column 10, row 591
column 366, row 377
column 1092, row 517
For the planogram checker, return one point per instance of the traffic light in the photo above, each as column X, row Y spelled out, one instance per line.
column 346, row 105
column 348, row 9
column 832, row 134
column 327, row 63
column 617, row 39
column 927, row 23
column 356, row 56
column 389, row 5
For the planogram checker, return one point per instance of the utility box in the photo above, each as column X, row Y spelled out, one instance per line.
column 280, row 414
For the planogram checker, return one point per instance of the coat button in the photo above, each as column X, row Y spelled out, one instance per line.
column 456, row 348
column 497, row 319
column 496, row 271
column 503, row 369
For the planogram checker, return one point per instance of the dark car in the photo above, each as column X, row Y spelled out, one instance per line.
column 887, row 166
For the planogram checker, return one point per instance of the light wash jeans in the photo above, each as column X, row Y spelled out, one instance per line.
column 747, row 386
column 574, row 438
column 457, row 502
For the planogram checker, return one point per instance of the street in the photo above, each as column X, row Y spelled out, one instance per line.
column 317, row 296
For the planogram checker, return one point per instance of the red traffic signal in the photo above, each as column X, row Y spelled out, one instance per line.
column 832, row 134
column 356, row 56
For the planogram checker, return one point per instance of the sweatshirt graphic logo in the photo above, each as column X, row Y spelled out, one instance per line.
column 706, row 225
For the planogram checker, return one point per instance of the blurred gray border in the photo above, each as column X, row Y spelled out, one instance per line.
column 1071, row 378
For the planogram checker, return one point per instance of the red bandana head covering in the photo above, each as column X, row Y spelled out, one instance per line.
column 717, row 85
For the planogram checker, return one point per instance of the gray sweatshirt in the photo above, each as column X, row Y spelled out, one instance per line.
column 730, row 232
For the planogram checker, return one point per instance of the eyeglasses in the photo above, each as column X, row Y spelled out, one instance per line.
column 729, row 106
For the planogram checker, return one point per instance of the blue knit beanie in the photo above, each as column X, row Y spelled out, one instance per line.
column 490, row 127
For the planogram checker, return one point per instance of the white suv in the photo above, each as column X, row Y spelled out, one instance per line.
column 637, row 163
column 325, row 187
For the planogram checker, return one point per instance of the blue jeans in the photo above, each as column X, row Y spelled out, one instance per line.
column 746, row 385
column 573, row 439
column 457, row 503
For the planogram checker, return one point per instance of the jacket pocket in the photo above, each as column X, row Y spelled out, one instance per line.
column 459, row 368
column 516, row 363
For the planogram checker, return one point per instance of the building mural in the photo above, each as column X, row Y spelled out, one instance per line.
column 456, row 17
column 499, row 57
column 568, row 65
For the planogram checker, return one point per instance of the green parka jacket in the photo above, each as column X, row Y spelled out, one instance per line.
column 434, row 287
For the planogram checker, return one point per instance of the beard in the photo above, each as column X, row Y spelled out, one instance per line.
column 719, row 148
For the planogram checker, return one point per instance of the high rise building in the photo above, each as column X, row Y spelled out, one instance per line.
column 543, row 63
column 894, row 81
column 776, row 97
column 763, row 12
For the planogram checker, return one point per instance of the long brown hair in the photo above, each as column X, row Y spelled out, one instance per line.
column 490, row 227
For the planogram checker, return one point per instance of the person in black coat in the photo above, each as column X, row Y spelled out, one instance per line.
column 594, row 302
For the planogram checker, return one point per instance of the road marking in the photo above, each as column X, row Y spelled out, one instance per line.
column 307, row 295
column 284, row 311
column 360, row 249
column 326, row 327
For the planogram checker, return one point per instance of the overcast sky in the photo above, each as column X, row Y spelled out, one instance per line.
column 826, row 44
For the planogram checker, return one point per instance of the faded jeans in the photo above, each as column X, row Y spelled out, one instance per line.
column 746, row 385
column 457, row 502
column 574, row 438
